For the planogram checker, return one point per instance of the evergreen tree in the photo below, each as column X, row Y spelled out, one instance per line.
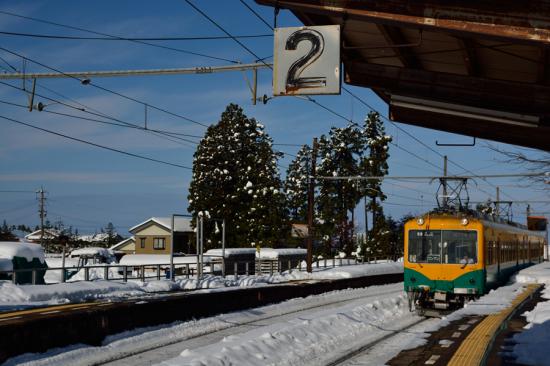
column 111, row 233
column 235, row 177
column 375, row 164
column 340, row 154
column 6, row 233
column 296, row 184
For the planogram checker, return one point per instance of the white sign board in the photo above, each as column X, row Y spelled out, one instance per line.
column 307, row 60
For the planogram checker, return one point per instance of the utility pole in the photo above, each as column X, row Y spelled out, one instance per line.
column 497, row 203
column 310, row 204
column 42, row 213
column 445, row 182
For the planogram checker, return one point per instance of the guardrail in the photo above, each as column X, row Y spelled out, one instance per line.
column 218, row 266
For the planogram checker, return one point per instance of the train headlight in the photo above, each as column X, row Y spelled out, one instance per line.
column 464, row 221
column 420, row 221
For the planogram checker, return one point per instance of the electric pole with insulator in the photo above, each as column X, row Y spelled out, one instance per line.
column 42, row 213
column 310, row 206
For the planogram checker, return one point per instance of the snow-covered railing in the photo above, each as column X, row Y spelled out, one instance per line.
column 217, row 266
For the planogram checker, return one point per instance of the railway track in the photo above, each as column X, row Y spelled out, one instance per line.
column 171, row 345
column 353, row 357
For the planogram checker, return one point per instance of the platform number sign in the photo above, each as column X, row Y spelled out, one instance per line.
column 307, row 60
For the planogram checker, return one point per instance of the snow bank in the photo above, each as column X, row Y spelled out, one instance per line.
column 231, row 251
column 143, row 259
column 539, row 273
column 76, row 290
column 351, row 271
column 10, row 249
column 270, row 253
column 93, row 251
column 319, row 337
column 151, row 338
column 532, row 344
column 12, row 295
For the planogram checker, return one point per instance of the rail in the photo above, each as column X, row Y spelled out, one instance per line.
column 217, row 266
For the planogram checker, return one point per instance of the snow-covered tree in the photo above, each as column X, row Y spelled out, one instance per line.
column 235, row 177
column 340, row 153
column 375, row 164
column 296, row 184
column 6, row 232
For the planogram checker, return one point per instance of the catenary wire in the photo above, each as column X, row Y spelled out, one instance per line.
column 116, row 37
column 105, row 89
column 198, row 38
column 94, row 144
column 369, row 106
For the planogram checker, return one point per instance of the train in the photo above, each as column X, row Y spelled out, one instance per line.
column 453, row 257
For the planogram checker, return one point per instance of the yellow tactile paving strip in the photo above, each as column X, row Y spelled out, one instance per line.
column 474, row 348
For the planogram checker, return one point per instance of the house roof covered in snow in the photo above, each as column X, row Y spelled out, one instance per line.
column 120, row 245
column 48, row 234
column 181, row 224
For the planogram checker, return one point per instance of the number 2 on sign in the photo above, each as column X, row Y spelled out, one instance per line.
column 293, row 79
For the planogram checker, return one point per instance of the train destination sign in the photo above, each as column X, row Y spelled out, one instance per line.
column 306, row 60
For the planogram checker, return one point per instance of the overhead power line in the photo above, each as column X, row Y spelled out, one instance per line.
column 94, row 144
column 116, row 37
column 15, row 191
column 430, row 178
column 125, row 125
column 372, row 108
column 258, row 58
column 197, row 38
column 88, row 82
column 353, row 95
column 88, row 110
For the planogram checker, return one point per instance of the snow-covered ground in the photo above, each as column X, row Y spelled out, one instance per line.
column 21, row 296
column 300, row 331
column 311, row 331
column 532, row 343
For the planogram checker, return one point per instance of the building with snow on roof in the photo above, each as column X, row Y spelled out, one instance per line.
column 153, row 236
column 36, row 236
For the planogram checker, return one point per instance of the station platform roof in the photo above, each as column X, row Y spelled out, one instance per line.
column 477, row 68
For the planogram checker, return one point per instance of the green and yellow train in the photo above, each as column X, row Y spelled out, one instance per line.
column 454, row 257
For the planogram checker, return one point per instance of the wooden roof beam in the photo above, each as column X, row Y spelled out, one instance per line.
column 502, row 95
column 543, row 76
column 468, row 50
column 480, row 20
column 394, row 37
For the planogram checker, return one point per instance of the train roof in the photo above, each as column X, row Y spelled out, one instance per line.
column 477, row 215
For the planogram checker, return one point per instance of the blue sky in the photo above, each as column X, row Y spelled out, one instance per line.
column 88, row 187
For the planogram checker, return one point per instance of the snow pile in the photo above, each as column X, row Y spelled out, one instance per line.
column 274, row 254
column 76, row 290
column 539, row 273
column 351, row 271
column 231, row 251
column 151, row 338
column 29, row 251
column 143, row 259
column 13, row 296
column 310, row 339
column 532, row 343
column 108, row 254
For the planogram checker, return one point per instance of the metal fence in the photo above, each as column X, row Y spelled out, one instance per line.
column 217, row 266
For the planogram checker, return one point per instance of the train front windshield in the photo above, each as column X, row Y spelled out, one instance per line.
column 442, row 246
